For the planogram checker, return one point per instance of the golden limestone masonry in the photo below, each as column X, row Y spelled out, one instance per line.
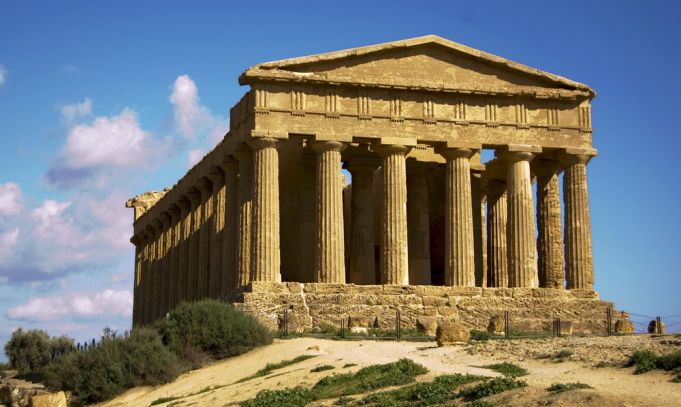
column 267, row 222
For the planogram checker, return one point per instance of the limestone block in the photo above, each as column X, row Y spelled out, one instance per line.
column 451, row 332
column 361, row 321
column 399, row 289
column 652, row 327
column 546, row 293
column 431, row 290
column 435, row 301
column 497, row 292
column 427, row 325
column 566, row 327
column 449, row 312
column 584, row 293
column 267, row 286
column 49, row 400
column 464, row 291
column 430, row 311
column 294, row 288
column 359, row 330
column 624, row 326
column 496, row 325
column 297, row 322
column 9, row 374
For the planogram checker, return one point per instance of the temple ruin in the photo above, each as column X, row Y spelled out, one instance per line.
column 267, row 221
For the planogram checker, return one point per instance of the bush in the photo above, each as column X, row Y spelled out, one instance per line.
column 212, row 327
column 646, row 360
column 562, row 387
column 114, row 365
column 321, row 368
column 477, row 335
column 490, row 388
column 28, row 351
column 296, row 397
column 436, row 392
column 507, row 369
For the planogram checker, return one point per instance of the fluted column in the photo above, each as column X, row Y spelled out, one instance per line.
column 459, row 245
column 185, row 225
column 206, row 230
column 479, row 228
column 245, row 203
column 362, row 262
column 165, row 263
column 217, row 178
column 330, row 245
column 307, row 215
column 522, row 246
column 138, row 241
column 265, row 251
column 394, row 240
column 497, row 247
column 418, row 221
column 175, row 228
column 194, row 198
column 231, row 214
column 158, row 269
column 550, row 237
column 578, row 249
column 148, row 275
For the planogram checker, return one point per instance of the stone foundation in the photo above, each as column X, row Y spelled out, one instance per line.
column 312, row 306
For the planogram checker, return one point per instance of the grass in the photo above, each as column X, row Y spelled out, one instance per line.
column 601, row 364
column 559, row 356
column 270, row 367
column 479, row 403
column 562, row 387
column 477, row 335
column 491, row 387
column 322, row 368
column 368, row 378
column 431, row 393
column 507, row 369
column 647, row 360
column 349, row 365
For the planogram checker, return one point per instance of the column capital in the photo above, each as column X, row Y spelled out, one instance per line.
column 572, row 156
column 204, row 185
column 193, row 195
column 174, row 211
column 165, row 218
column 243, row 153
column 183, row 204
column 323, row 146
column 259, row 143
column 361, row 164
column 518, row 152
column 390, row 149
column 157, row 226
column 454, row 153
column 216, row 176
column 545, row 166
column 229, row 164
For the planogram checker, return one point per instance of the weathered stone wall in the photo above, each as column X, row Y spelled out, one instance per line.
column 314, row 305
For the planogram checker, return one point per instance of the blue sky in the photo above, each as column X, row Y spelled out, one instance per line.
column 150, row 85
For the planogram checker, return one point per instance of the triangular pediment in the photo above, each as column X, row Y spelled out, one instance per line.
column 427, row 62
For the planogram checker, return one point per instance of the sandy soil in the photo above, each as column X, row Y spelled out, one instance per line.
column 613, row 386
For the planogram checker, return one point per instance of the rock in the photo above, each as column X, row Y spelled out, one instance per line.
column 496, row 325
column 360, row 321
column 9, row 374
column 14, row 392
column 427, row 325
column 566, row 327
column 49, row 400
column 360, row 330
column 624, row 326
column 652, row 327
column 314, row 347
column 450, row 332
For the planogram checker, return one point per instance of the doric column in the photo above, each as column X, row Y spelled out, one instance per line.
column 459, row 245
column 158, row 270
column 394, row 240
column 138, row 241
column 148, row 275
column 550, row 237
column 175, row 227
column 578, row 250
column 206, row 230
column 165, row 263
column 228, row 280
column 418, row 222
column 194, row 197
column 308, row 215
column 479, row 206
column 245, row 203
column 217, row 178
column 522, row 246
column 265, row 254
column 184, row 243
column 362, row 262
column 330, row 250
column 497, row 247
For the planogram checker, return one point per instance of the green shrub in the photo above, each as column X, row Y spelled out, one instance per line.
column 477, row 335
column 507, row 369
column 643, row 360
column 491, row 387
column 349, row 365
column 561, row 387
column 479, row 403
column 116, row 364
column 28, row 351
column 647, row 360
column 368, row 378
column 212, row 327
column 430, row 393
column 296, row 397
column 322, row 368
column 562, row 354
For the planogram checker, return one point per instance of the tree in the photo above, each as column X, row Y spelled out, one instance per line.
column 28, row 351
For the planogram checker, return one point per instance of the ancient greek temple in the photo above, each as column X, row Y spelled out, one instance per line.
column 420, row 221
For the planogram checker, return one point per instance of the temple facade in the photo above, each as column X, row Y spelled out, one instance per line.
column 270, row 211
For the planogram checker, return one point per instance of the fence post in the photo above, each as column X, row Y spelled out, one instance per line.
column 608, row 318
column 558, row 327
column 343, row 328
column 507, row 323
column 398, row 324
column 658, row 328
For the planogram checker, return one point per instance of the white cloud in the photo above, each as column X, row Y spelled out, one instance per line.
column 194, row 156
column 10, row 199
column 115, row 142
column 8, row 240
column 77, row 305
column 192, row 118
column 3, row 75
column 75, row 111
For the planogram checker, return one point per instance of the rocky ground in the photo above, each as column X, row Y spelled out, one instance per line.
column 595, row 361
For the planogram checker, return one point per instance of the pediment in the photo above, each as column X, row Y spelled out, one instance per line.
column 425, row 63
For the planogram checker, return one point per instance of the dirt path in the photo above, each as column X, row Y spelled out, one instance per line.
column 612, row 386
